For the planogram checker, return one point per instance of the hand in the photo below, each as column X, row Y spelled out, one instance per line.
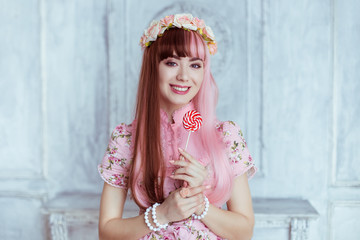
column 191, row 171
column 176, row 208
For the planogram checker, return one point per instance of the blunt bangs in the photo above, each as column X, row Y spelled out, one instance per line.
column 180, row 42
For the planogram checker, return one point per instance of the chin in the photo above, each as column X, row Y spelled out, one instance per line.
column 184, row 102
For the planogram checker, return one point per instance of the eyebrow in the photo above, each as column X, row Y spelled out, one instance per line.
column 191, row 60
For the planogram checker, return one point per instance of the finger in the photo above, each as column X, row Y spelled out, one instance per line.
column 196, row 208
column 189, row 192
column 196, row 190
column 189, row 157
column 190, row 209
column 180, row 163
column 184, row 192
column 193, row 201
column 184, row 177
column 194, row 169
column 190, row 171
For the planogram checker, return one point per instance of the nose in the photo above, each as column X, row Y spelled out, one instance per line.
column 183, row 74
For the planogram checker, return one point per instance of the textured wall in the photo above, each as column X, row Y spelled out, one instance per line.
column 288, row 73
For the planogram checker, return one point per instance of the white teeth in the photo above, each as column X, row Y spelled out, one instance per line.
column 180, row 88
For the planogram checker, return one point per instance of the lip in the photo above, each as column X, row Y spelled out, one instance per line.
column 179, row 92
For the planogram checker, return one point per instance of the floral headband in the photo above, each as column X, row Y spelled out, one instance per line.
column 185, row 21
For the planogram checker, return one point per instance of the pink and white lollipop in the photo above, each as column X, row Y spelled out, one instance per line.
column 192, row 122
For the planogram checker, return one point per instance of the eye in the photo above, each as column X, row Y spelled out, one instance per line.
column 196, row 65
column 170, row 63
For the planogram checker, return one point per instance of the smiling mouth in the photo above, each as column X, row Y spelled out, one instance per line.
column 181, row 89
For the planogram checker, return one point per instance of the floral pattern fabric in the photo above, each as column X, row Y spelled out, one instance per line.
column 115, row 165
column 240, row 159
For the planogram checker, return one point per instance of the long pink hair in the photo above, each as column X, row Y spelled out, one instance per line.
column 148, row 166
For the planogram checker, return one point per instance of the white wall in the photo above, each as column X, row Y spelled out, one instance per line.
column 288, row 73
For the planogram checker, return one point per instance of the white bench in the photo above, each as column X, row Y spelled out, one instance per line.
column 75, row 216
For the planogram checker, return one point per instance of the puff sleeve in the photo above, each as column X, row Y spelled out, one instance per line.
column 115, row 165
column 236, row 149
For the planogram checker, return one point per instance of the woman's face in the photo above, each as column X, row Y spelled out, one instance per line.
column 180, row 79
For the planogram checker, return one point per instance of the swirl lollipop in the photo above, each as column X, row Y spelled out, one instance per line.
column 192, row 122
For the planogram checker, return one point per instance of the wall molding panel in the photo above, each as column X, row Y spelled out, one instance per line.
column 346, row 86
column 255, row 60
column 342, row 221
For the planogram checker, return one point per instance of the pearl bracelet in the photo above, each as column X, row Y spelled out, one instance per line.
column 158, row 225
column 146, row 217
column 205, row 210
column 153, row 212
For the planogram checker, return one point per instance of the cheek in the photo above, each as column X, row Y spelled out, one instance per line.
column 200, row 79
column 167, row 74
column 163, row 76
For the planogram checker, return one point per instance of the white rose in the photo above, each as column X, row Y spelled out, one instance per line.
column 153, row 31
column 190, row 26
column 182, row 19
column 209, row 33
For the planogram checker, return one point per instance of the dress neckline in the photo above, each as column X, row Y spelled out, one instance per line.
column 177, row 115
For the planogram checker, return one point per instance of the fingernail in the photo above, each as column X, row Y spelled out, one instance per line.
column 207, row 186
column 172, row 161
column 180, row 149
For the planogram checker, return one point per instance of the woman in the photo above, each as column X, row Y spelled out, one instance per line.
column 180, row 193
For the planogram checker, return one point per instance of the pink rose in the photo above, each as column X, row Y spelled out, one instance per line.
column 119, row 128
column 212, row 48
column 199, row 23
column 143, row 41
column 166, row 21
column 182, row 19
column 112, row 158
column 153, row 31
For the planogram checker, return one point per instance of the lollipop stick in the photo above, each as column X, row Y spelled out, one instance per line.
column 182, row 157
column 187, row 140
column 185, row 184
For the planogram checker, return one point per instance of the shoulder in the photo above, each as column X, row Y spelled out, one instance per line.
column 229, row 129
column 236, row 148
column 232, row 135
column 115, row 165
column 123, row 133
column 120, row 147
column 122, row 130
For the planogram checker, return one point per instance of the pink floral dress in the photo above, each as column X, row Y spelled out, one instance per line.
column 115, row 165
